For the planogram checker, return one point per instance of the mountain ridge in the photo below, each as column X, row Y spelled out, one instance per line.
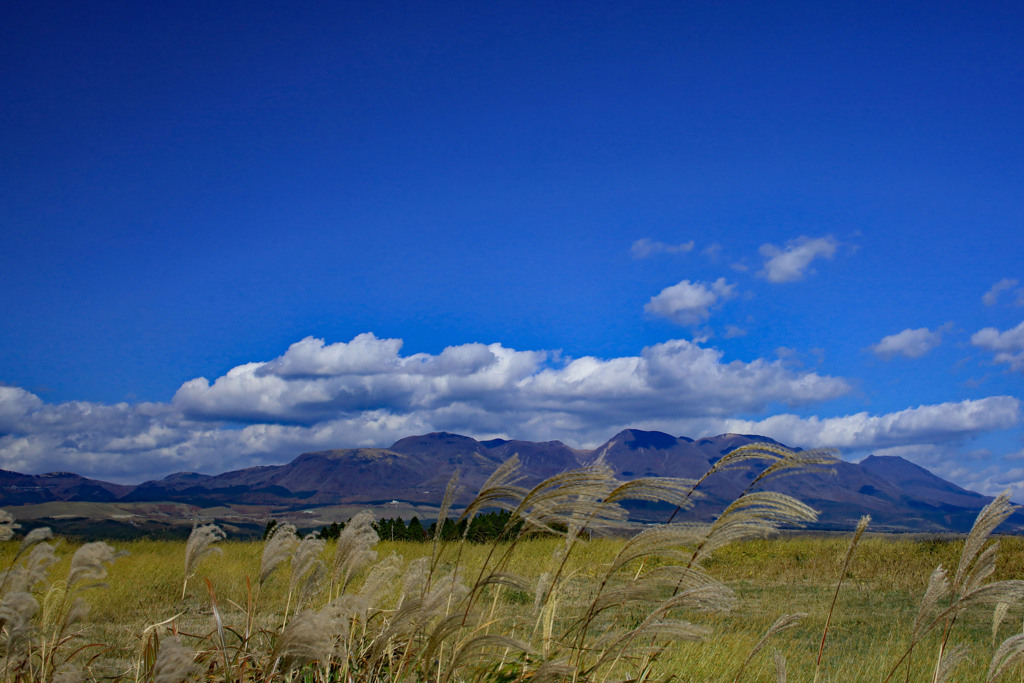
column 900, row 495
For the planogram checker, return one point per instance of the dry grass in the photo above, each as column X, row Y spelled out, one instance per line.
column 691, row 602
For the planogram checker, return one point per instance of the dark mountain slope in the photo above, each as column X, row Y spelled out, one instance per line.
column 896, row 493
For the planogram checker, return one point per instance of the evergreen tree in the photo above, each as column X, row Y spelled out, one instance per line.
column 415, row 531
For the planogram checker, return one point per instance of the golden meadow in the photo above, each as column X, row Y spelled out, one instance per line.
column 575, row 594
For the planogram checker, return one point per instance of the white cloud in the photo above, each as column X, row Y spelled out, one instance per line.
column 310, row 357
column 646, row 247
column 909, row 343
column 931, row 424
column 364, row 392
column 792, row 262
column 670, row 377
column 689, row 303
column 1008, row 346
column 991, row 480
column 991, row 297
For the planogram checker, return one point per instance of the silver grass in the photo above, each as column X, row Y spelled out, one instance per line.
column 67, row 673
column 308, row 637
column 414, row 614
column 625, row 595
column 175, row 663
column 794, row 462
column 482, row 646
column 17, row 609
column 451, row 492
column 307, row 567
column 1010, row 590
column 780, row 666
column 664, row 629
column 681, row 577
column 543, row 586
column 712, row 597
column 563, row 498
column 37, row 565
column 1009, row 653
column 199, row 546
column 552, row 671
column 781, row 624
column 7, row 525
column 407, row 619
column 382, row 575
column 353, row 551
column 938, row 588
column 976, row 564
column 344, row 614
column 89, row 565
column 77, row 612
column 651, row 587
column 315, row 636
column 278, row 548
column 444, row 629
column 506, row 579
column 951, row 659
column 755, row 515
column 708, row 597
column 655, row 626
column 34, row 571
column 662, row 541
column 781, row 460
column 37, row 535
column 499, row 490
column 998, row 614
column 983, row 568
column 994, row 514
column 502, row 497
column 672, row 490
column 414, row 581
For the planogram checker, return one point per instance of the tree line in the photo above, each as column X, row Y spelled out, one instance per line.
column 483, row 528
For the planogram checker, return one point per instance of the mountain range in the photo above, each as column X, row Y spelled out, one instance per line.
column 899, row 495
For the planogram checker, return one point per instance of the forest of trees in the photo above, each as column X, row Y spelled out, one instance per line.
column 483, row 528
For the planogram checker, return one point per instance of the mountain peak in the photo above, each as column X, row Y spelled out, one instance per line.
column 638, row 438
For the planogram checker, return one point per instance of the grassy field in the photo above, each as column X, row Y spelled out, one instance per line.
column 675, row 602
column 869, row 630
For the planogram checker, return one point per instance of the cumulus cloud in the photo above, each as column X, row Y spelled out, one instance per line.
column 313, row 382
column 908, row 343
column 645, row 248
column 931, row 424
column 991, row 297
column 1007, row 346
column 366, row 392
column 792, row 262
column 689, row 303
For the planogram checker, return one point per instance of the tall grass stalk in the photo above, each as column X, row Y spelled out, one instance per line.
column 861, row 526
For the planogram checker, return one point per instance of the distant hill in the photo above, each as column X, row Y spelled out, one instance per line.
column 899, row 495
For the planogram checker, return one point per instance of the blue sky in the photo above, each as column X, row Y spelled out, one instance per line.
column 232, row 233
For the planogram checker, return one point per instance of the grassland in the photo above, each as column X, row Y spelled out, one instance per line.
column 869, row 631
column 677, row 602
